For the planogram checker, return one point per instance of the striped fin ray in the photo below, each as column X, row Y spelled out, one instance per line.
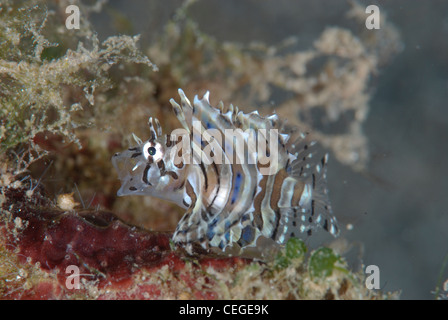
column 184, row 111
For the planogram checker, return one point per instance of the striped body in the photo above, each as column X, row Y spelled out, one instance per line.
column 231, row 202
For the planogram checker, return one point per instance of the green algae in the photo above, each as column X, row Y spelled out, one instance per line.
column 37, row 73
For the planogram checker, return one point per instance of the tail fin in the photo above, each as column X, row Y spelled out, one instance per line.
column 314, row 209
column 320, row 206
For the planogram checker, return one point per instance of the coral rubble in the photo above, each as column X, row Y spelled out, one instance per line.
column 40, row 242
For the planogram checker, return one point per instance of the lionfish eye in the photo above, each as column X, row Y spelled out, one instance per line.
column 151, row 151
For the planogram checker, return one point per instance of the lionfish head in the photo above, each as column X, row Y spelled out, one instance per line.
column 148, row 169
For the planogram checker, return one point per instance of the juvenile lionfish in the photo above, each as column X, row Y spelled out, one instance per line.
column 230, row 203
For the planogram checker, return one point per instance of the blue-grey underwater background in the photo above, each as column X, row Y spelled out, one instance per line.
column 399, row 210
